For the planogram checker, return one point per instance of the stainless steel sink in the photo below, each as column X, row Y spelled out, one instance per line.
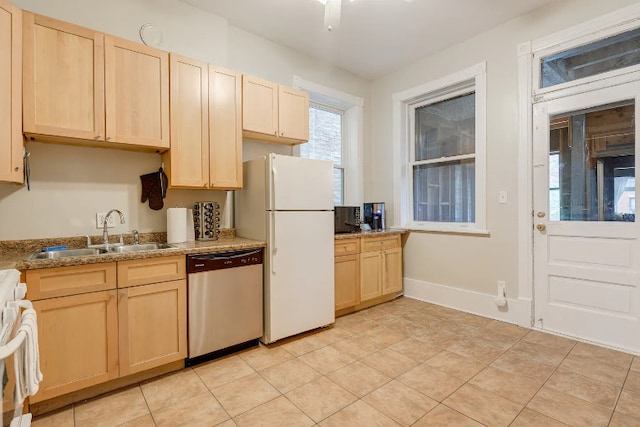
column 139, row 248
column 66, row 253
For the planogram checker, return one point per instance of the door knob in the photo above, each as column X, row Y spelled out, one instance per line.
column 541, row 227
column 540, row 214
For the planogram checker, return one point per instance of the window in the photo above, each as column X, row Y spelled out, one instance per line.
column 335, row 133
column 444, row 145
column 325, row 143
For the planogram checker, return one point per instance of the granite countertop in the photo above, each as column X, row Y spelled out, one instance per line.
column 366, row 234
column 13, row 253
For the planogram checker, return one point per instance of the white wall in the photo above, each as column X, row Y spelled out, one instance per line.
column 70, row 184
column 473, row 263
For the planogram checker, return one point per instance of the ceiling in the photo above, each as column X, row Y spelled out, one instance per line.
column 375, row 37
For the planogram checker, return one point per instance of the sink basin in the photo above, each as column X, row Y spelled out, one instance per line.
column 66, row 253
column 140, row 247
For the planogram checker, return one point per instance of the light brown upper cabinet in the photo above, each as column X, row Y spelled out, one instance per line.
column 11, row 87
column 82, row 86
column 206, row 133
column 274, row 113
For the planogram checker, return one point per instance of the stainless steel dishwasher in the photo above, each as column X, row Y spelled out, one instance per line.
column 225, row 302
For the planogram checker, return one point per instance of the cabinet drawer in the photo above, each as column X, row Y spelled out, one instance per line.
column 78, row 279
column 380, row 243
column 151, row 270
column 346, row 247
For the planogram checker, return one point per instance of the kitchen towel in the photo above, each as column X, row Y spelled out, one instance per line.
column 27, row 359
column 176, row 225
column 191, row 233
column 154, row 188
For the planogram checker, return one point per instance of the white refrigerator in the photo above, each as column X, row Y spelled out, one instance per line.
column 288, row 202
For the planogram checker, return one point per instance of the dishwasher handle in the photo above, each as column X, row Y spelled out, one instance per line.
column 225, row 255
column 219, row 260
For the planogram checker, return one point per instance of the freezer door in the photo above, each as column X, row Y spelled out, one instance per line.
column 299, row 184
column 299, row 289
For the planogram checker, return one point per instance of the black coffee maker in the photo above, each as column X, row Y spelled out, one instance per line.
column 374, row 215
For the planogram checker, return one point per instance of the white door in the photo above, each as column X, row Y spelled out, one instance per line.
column 586, row 258
column 299, row 288
column 300, row 184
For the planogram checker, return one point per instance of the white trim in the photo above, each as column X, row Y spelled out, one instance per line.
column 525, row 178
column 353, row 134
column 473, row 78
column 468, row 301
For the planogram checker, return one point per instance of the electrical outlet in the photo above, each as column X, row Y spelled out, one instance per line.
column 100, row 220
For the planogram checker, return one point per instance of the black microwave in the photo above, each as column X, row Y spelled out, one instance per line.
column 346, row 219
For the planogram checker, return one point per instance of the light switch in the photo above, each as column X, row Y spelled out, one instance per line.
column 502, row 197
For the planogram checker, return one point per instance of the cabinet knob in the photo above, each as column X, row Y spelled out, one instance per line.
column 99, row 136
column 275, row 133
column 17, row 168
column 108, row 137
column 122, row 294
column 281, row 133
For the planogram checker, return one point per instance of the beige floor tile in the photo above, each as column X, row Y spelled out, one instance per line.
column 326, row 359
column 441, row 311
column 245, row 393
column 202, row 410
column 358, row 414
column 568, row 409
column 594, row 369
column 143, row 421
column 389, row 362
column 629, row 405
column 357, row 347
column 635, row 366
column 550, row 340
column 497, row 339
column 437, row 337
column 514, row 363
column 222, row 371
column 228, row 423
column 400, row 403
column 410, row 303
column 263, row 356
column 277, row 412
column 530, row 418
column 619, row 420
column 513, row 387
column 443, row 416
column 542, row 353
column 405, row 326
column 172, row 388
column 584, row 388
column 301, row 345
column 289, row 375
column 477, row 349
column 379, row 317
column 61, row 418
column 431, row 381
column 632, row 383
column 422, row 318
column 330, row 335
column 459, row 328
column 415, row 349
column 455, row 365
column 602, row 354
column 385, row 335
column 358, row 378
column 471, row 319
column 360, row 327
column 507, row 329
column 321, row 398
column 113, row 409
column 484, row 406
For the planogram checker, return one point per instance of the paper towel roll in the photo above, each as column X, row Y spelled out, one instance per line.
column 191, row 233
column 176, row 225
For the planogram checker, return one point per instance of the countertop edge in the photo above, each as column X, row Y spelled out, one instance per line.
column 368, row 234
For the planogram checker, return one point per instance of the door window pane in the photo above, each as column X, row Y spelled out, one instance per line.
column 612, row 53
column 444, row 192
column 592, row 164
column 338, row 186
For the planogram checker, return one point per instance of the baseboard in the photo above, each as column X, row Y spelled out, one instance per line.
column 517, row 311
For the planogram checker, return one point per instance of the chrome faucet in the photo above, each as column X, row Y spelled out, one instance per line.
column 136, row 237
column 105, row 234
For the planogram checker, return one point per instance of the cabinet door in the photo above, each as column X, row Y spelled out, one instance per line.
column 293, row 114
column 225, row 129
column 347, row 281
column 370, row 275
column 63, row 71
column 392, row 271
column 259, row 106
column 11, row 88
column 187, row 162
column 78, row 342
column 137, row 94
column 152, row 325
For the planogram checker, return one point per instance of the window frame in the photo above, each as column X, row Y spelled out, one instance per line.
column 472, row 79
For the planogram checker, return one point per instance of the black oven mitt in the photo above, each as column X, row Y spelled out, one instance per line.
column 154, row 188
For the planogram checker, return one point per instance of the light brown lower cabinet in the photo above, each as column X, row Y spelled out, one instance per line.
column 90, row 338
column 366, row 268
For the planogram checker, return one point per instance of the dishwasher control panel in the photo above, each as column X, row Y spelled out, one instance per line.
column 219, row 260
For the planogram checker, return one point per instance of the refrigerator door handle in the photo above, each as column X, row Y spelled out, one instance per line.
column 274, row 174
column 274, row 247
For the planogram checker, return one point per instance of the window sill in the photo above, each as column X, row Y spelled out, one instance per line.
column 447, row 230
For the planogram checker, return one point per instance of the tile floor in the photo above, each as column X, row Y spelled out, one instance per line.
column 404, row 363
